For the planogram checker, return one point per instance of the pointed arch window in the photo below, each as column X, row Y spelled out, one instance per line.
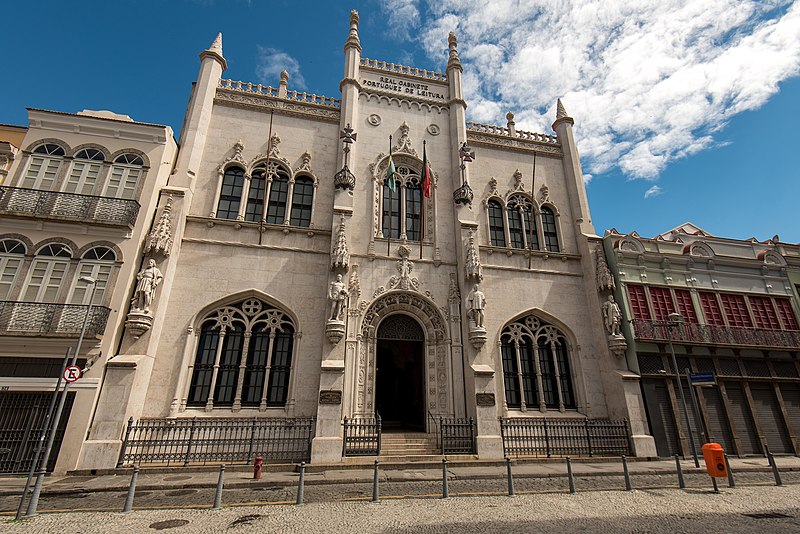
column 12, row 253
column 522, row 227
column 497, row 226
column 549, row 229
column 123, row 182
column 231, row 193
column 254, row 211
column 402, row 208
column 536, row 367
column 302, row 201
column 43, row 167
column 243, row 357
column 47, row 273
column 278, row 193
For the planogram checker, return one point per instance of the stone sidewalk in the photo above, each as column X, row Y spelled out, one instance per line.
column 239, row 476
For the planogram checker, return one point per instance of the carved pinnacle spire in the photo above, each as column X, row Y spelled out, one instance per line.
column 453, row 61
column 215, row 51
column 352, row 39
column 561, row 115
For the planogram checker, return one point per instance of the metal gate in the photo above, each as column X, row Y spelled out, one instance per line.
column 741, row 419
column 717, row 420
column 22, row 416
column 769, row 414
column 662, row 421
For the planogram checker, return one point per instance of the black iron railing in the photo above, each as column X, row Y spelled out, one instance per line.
column 230, row 440
column 457, row 435
column 68, row 206
column 564, row 437
column 362, row 436
column 716, row 335
column 58, row 320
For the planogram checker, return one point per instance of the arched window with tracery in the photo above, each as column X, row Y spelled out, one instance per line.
column 402, row 208
column 254, row 211
column 85, row 172
column 536, row 367
column 278, row 193
column 243, row 357
column 43, row 166
column 12, row 253
column 123, row 181
column 231, row 193
column 96, row 263
column 47, row 273
column 521, row 226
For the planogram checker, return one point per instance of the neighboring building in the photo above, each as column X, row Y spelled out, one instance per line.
column 740, row 316
column 10, row 140
column 298, row 283
column 76, row 206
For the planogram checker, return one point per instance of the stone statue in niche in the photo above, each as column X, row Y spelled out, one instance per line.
column 148, row 280
column 612, row 316
column 477, row 305
column 338, row 295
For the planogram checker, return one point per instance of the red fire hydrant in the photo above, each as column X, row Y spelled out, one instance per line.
column 257, row 466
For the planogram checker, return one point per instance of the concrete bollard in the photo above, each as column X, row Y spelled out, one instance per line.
column 218, row 494
column 445, row 487
column 775, row 472
column 128, row 506
column 681, row 481
column 570, row 477
column 510, row 478
column 628, row 486
column 375, row 495
column 301, row 484
column 731, row 482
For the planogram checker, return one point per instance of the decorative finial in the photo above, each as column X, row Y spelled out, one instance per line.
column 511, row 125
column 215, row 51
column 284, row 76
column 453, row 61
column 561, row 115
column 352, row 38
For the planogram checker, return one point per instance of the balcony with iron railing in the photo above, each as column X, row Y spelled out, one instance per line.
column 706, row 334
column 50, row 320
column 90, row 209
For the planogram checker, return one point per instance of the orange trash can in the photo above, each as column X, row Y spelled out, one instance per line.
column 714, row 455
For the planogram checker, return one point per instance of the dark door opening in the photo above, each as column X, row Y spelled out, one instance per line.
column 399, row 380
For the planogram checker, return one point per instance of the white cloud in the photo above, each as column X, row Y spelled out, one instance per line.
column 269, row 64
column 646, row 82
column 653, row 192
column 404, row 16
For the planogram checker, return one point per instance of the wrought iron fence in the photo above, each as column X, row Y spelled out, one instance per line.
column 564, row 437
column 70, row 206
column 716, row 335
column 457, row 435
column 22, row 418
column 230, row 440
column 362, row 436
column 21, row 318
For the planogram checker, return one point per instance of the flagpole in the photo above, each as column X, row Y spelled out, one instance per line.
column 533, row 215
column 422, row 198
column 391, row 213
column 263, row 220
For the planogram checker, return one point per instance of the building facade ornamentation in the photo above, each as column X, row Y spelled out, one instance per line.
column 340, row 257
column 159, row 240
column 472, row 265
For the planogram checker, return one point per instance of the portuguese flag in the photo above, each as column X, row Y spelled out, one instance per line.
column 426, row 173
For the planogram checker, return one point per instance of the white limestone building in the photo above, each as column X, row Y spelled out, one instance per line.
column 289, row 280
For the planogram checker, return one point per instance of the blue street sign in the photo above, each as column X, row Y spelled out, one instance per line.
column 702, row 379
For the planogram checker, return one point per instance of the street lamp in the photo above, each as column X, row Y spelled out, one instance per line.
column 676, row 319
column 37, row 488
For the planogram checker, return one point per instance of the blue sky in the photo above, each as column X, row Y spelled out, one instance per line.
column 684, row 110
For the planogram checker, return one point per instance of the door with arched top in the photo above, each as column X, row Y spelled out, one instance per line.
column 400, row 374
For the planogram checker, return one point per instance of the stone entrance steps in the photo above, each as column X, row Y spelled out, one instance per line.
column 408, row 444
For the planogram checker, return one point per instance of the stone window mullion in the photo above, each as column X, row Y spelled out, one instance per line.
column 557, row 374
column 403, row 221
column 237, row 399
column 217, row 357
column 245, row 197
column 289, row 201
column 265, row 206
column 263, row 405
column 189, row 349
column 522, row 406
column 217, row 193
column 539, row 383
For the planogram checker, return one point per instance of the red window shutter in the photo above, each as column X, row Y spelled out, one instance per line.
column 638, row 302
column 662, row 303
column 786, row 314
column 736, row 311
column 764, row 313
column 711, row 309
column 685, row 305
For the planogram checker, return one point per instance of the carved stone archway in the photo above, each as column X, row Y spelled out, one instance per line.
column 438, row 355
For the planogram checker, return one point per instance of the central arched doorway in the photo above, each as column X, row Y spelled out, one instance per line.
column 400, row 374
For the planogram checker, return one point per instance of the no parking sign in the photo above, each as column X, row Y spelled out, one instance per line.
column 72, row 373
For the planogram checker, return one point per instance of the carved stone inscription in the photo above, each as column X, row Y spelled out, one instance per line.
column 330, row 396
